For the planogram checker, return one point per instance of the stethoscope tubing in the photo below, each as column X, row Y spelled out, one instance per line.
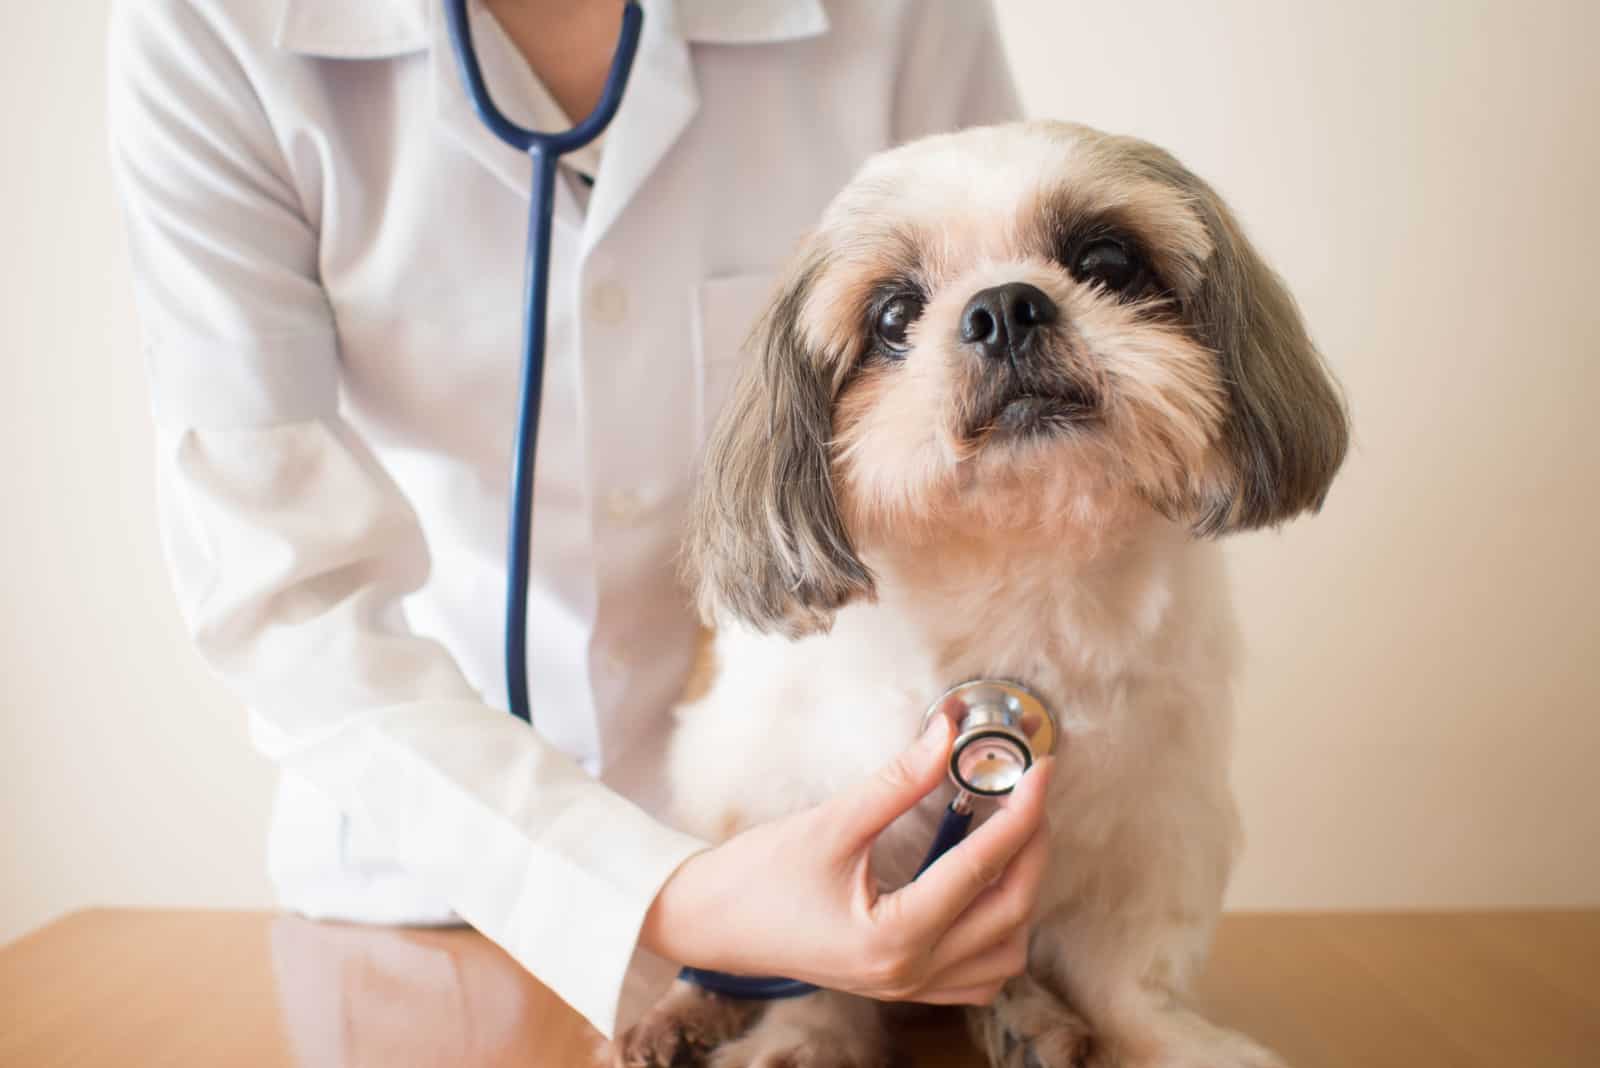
column 544, row 151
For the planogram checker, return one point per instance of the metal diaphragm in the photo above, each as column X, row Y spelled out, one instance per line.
column 1002, row 727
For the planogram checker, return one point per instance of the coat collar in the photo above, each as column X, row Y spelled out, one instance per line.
column 379, row 29
column 661, row 100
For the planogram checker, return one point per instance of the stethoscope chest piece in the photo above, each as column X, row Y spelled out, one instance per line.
column 1001, row 729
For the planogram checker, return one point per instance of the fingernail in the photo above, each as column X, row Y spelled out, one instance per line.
column 935, row 733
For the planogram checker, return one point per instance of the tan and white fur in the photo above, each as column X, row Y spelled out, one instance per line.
column 895, row 501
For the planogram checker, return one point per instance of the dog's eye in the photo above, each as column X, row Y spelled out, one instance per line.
column 895, row 318
column 1109, row 262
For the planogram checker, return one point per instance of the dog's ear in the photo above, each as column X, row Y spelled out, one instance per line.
column 1287, row 429
column 767, row 545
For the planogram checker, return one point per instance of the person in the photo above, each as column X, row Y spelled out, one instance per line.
column 327, row 253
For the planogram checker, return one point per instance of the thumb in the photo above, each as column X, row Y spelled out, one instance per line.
column 895, row 788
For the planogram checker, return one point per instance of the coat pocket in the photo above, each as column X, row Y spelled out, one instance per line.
column 727, row 309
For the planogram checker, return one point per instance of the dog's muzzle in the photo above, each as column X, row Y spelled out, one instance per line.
column 1018, row 387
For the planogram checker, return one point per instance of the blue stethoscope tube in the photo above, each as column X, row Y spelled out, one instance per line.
column 545, row 150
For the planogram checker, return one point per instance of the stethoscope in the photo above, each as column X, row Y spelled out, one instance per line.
column 1001, row 727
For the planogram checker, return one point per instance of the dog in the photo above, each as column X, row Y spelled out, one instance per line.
column 1013, row 388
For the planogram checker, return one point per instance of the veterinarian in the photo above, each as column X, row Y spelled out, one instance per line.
column 327, row 249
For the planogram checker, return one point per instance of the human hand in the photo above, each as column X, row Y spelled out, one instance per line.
column 797, row 898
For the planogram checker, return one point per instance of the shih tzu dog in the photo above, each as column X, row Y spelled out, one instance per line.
column 1014, row 386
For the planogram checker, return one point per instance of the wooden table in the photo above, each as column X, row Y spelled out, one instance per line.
column 124, row 987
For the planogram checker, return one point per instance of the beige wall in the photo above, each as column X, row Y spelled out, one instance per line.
column 1421, row 720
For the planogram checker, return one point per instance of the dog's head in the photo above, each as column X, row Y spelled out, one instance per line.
column 1024, row 326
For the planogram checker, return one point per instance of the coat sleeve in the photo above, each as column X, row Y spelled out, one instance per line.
column 290, row 548
column 953, row 71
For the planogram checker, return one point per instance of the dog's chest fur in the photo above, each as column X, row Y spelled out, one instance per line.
column 1131, row 653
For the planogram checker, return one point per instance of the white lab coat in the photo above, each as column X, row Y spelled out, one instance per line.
column 327, row 251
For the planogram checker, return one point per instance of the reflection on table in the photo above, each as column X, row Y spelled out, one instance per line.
column 136, row 987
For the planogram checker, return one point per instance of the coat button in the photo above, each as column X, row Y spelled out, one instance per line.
column 623, row 505
column 608, row 303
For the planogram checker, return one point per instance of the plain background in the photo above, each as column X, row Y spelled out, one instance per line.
column 1420, row 719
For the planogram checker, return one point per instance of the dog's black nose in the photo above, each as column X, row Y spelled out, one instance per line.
column 999, row 321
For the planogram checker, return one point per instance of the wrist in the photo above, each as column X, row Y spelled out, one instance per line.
column 676, row 925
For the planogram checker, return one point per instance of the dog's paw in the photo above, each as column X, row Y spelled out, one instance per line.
column 685, row 1025
column 798, row 1047
column 1227, row 1050
column 1182, row 1039
column 822, row 1030
column 1029, row 1027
